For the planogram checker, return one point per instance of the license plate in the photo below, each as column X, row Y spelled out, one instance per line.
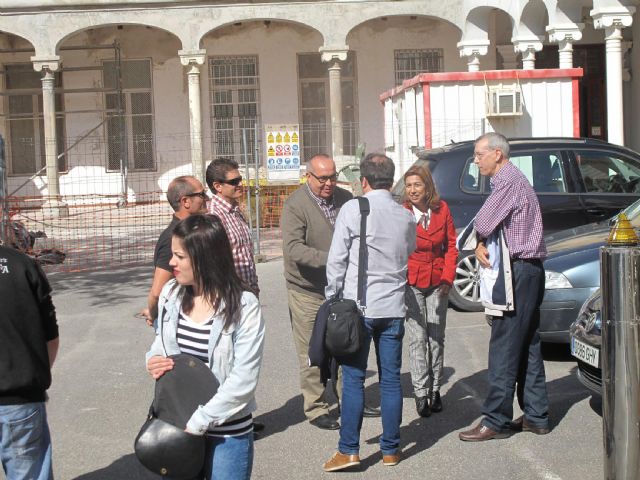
column 585, row 352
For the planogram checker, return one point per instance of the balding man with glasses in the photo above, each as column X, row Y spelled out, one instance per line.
column 187, row 196
column 308, row 219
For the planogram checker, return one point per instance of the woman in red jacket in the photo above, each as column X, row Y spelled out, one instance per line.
column 432, row 268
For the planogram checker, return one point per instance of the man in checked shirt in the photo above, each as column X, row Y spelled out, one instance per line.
column 514, row 348
column 225, row 182
column 224, row 179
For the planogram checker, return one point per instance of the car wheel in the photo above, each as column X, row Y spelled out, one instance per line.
column 465, row 294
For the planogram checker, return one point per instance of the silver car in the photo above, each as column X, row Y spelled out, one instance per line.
column 586, row 338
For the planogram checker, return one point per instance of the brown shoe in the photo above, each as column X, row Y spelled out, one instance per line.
column 520, row 424
column 480, row 433
column 390, row 460
column 340, row 461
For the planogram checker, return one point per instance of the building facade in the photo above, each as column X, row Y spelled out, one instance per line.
column 114, row 98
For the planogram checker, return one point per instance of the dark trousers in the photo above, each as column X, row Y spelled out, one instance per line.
column 515, row 356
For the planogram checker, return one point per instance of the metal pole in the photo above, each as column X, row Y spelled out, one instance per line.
column 257, row 158
column 620, row 283
column 124, row 145
column 4, row 199
column 245, row 155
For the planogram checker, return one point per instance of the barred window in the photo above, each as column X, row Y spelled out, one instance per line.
column 25, row 121
column 409, row 63
column 313, row 84
column 129, row 115
column 234, row 89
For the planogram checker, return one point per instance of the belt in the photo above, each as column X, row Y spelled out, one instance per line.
column 534, row 261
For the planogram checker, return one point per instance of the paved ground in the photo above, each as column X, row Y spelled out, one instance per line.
column 101, row 393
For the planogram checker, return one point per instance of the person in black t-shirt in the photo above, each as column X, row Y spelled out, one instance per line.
column 187, row 196
column 28, row 348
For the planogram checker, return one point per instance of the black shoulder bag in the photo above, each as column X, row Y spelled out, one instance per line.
column 162, row 445
column 345, row 326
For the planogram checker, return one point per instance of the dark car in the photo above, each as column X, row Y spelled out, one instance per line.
column 586, row 337
column 577, row 181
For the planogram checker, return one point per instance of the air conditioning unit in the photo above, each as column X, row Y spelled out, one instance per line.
column 504, row 101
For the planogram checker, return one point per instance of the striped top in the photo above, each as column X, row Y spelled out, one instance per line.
column 193, row 339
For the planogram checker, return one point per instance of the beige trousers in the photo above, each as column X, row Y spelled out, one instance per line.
column 302, row 311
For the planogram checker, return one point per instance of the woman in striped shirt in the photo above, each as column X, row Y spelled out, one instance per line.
column 207, row 311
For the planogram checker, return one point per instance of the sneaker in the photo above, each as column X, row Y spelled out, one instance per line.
column 340, row 461
column 390, row 460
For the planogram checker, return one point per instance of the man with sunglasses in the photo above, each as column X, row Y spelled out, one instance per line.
column 187, row 196
column 225, row 182
column 307, row 222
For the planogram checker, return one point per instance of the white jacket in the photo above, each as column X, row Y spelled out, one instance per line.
column 235, row 356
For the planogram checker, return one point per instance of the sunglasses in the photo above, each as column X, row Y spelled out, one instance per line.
column 202, row 195
column 323, row 180
column 234, row 181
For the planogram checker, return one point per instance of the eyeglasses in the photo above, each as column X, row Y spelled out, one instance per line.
column 323, row 180
column 234, row 181
column 482, row 154
column 202, row 195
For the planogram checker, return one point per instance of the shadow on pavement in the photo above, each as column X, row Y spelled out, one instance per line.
column 280, row 419
column 125, row 467
column 103, row 288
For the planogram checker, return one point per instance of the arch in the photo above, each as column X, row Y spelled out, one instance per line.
column 8, row 40
column 477, row 23
column 533, row 19
column 266, row 18
column 69, row 34
column 363, row 20
column 564, row 11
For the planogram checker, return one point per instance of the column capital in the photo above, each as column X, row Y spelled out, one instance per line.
column 528, row 44
column 568, row 32
column 329, row 54
column 188, row 57
column 618, row 17
column 51, row 63
column 471, row 48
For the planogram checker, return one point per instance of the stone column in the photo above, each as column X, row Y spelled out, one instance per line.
column 54, row 206
column 193, row 60
column 527, row 46
column 473, row 49
column 333, row 57
column 565, row 36
column 613, row 20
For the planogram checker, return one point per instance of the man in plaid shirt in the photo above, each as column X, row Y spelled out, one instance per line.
column 514, row 348
column 224, row 180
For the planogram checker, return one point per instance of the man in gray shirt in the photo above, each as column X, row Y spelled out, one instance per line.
column 390, row 238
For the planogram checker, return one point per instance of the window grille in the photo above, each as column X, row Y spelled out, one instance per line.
column 235, row 105
column 313, row 78
column 129, row 116
column 25, row 121
column 409, row 63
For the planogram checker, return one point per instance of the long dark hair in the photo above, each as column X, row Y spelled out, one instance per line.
column 206, row 242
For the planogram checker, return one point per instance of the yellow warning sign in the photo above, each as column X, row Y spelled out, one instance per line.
column 279, row 138
column 287, row 138
column 270, row 138
column 294, row 137
column 271, row 152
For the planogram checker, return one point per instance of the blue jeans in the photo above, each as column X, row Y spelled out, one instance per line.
column 515, row 356
column 25, row 442
column 387, row 336
column 229, row 457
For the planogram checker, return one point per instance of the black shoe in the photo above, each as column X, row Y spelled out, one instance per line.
column 370, row 412
column 436, row 402
column 422, row 406
column 257, row 426
column 325, row 422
